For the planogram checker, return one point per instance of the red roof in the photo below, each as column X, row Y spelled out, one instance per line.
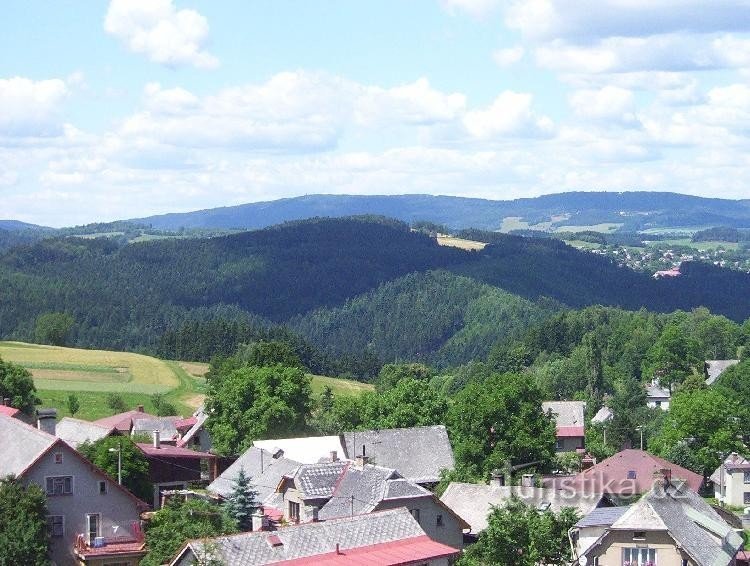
column 8, row 411
column 570, row 431
column 415, row 550
column 627, row 473
column 185, row 423
column 171, row 451
column 113, row 548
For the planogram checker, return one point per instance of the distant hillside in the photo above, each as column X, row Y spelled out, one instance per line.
column 624, row 211
column 18, row 225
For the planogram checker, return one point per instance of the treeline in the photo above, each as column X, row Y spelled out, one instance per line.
column 722, row 234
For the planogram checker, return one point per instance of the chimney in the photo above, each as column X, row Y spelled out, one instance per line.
column 362, row 460
column 157, row 439
column 277, row 453
column 314, row 514
column 139, row 408
column 46, row 420
column 334, row 456
column 338, row 549
column 527, row 480
column 6, row 401
column 498, row 479
column 260, row 522
column 667, row 474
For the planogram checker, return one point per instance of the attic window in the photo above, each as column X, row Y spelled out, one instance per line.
column 274, row 540
column 639, row 535
column 58, row 458
column 631, row 474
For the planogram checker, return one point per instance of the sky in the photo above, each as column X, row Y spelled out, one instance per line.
column 126, row 108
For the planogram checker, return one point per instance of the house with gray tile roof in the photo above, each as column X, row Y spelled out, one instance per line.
column 365, row 488
column 732, row 481
column 197, row 436
column 590, row 528
column 657, row 396
column 474, row 502
column 265, row 470
column 76, row 432
column 670, row 524
column 387, row 538
column 569, row 423
column 165, row 425
column 713, row 369
column 83, row 503
column 419, row 453
column 308, row 489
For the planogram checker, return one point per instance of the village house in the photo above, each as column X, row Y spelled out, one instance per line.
column 196, row 437
column 75, row 431
column 712, row 369
column 624, row 475
column 419, row 454
column 657, row 396
column 386, row 538
column 731, row 481
column 669, row 525
column 569, row 423
column 474, row 502
column 92, row 520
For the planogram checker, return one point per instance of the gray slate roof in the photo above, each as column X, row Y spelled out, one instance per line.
column 474, row 502
column 316, row 481
column 264, row 482
column 602, row 415
column 688, row 519
column 76, row 432
column 567, row 413
column 165, row 426
column 655, row 391
column 417, row 453
column 21, row 445
column 714, row 369
column 369, row 485
column 311, row 539
column 602, row 516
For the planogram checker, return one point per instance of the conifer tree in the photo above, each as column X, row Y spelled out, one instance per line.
column 242, row 501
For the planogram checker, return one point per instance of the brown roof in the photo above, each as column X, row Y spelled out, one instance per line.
column 124, row 421
column 627, row 473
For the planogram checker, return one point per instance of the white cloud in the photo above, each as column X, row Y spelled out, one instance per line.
column 549, row 19
column 157, row 29
column 508, row 56
column 610, row 104
column 475, row 8
column 510, row 114
column 30, row 108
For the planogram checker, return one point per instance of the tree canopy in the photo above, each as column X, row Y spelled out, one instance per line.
column 135, row 471
column 23, row 524
column 17, row 385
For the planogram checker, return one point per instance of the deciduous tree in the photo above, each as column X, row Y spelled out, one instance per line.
column 23, row 523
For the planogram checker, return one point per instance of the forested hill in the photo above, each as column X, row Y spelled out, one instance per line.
column 128, row 296
column 629, row 210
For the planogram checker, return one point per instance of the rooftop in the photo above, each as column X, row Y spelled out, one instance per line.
column 8, row 411
column 474, row 502
column 714, row 369
column 124, row 421
column 168, row 451
column 308, row 450
column 601, row 517
column 316, row 481
column 566, row 413
column 21, row 445
column 317, row 542
column 75, row 431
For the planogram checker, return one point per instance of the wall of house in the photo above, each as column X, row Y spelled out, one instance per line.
column 305, row 505
column 610, row 551
column 734, row 488
column 661, row 402
column 116, row 508
column 569, row 443
column 449, row 533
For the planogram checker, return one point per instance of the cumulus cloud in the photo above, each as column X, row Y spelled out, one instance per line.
column 610, row 104
column 157, row 29
column 31, row 108
column 510, row 114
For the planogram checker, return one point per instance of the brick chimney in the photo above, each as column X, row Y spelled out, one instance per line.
column 260, row 521
column 46, row 420
column 6, row 401
column 498, row 479
column 334, row 456
column 527, row 480
column 157, row 439
column 139, row 408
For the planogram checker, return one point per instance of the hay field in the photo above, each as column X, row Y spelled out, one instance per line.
column 460, row 243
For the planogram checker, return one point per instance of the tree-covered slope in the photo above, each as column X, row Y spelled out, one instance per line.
column 634, row 210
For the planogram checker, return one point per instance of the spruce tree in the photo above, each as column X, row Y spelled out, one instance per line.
column 242, row 501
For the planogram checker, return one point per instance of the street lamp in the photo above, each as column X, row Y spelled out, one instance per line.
column 640, row 428
column 119, row 460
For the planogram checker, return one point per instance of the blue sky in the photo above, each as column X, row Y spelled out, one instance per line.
column 125, row 108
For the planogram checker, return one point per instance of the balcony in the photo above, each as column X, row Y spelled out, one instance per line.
column 123, row 547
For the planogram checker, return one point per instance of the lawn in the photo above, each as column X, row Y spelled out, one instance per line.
column 92, row 375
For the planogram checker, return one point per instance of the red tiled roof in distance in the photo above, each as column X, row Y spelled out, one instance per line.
column 185, row 423
column 8, row 411
column 124, row 421
column 570, row 431
column 171, row 451
column 615, row 474
column 415, row 550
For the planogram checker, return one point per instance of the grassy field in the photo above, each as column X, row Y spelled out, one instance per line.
column 94, row 374
column 710, row 245
column 460, row 243
column 602, row 228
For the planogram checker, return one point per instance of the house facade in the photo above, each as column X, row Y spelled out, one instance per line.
column 731, row 481
column 91, row 519
column 569, row 424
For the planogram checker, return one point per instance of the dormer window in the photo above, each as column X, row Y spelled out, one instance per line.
column 631, row 474
column 639, row 535
column 58, row 458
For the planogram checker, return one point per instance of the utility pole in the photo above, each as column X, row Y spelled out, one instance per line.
column 119, row 460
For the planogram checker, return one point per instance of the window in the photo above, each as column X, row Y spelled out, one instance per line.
column 415, row 514
column 60, row 485
column 103, row 487
column 631, row 474
column 439, row 521
column 58, row 458
column 639, row 535
column 746, row 497
column 747, row 477
column 293, row 511
column 93, row 526
column 638, row 557
column 560, row 444
column 55, row 525
column 684, row 562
